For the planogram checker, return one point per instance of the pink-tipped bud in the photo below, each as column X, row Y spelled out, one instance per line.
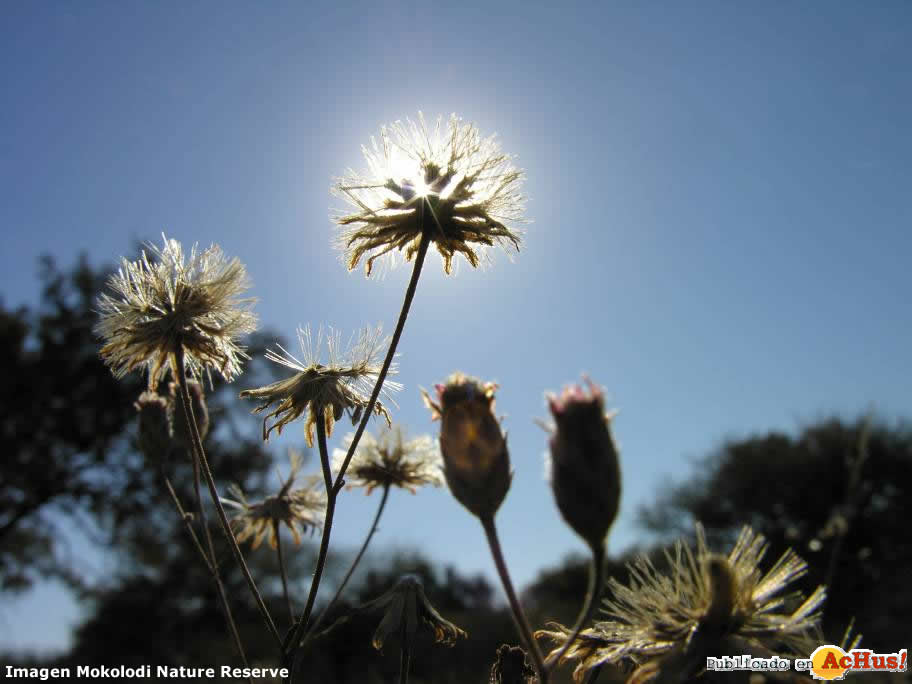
column 585, row 475
column 476, row 463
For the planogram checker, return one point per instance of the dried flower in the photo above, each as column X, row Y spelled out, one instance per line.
column 405, row 604
column 390, row 461
column 449, row 183
column 476, row 463
column 585, row 475
column 155, row 426
column 328, row 391
column 708, row 605
column 167, row 304
column 300, row 510
column 511, row 666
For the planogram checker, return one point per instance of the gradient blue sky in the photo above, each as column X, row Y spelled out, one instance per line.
column 721, row 197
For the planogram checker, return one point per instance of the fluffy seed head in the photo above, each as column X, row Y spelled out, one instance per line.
column 325, row 391
column 585, row 475
column 476, row 463
column 446, row 181
column 300, row 510
column 390, row 461
column 166, row 303
column 706, row 605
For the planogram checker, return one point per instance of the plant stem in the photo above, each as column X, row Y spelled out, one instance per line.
column 297, row 631
column 180, row 372
column 185, row 518
column 284, row 574
column 333, row 489
column 596, row 579
column 211, row 567
column 519, row 618
column 313, row 630
column 387, row 362
column 405, row 663
column 327, row 523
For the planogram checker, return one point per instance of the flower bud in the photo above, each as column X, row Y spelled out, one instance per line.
column 511, row 666
column 155, row 431
column 474, row 449
column 585, row 476
column 200, row 412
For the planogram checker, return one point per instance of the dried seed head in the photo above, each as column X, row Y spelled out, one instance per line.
column 390, row 461
column 476, row 463
column 449, row 183
column 585, row 475
column 707, row 604
column 168, row 304
column 301, row 510
column 155, row 426
column 405, row 605
column 325, row 392
column 200, row 413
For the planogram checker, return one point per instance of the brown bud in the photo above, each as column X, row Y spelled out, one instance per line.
column 585, row 475
column 511, row 666
column 155, row 430
column 200, row 412
column 476, row 463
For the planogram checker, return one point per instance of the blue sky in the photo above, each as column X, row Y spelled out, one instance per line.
column 720, row 191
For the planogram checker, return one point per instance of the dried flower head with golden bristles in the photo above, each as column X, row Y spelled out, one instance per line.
column 324, row 392
column 300, row 510
column 447, row 182
column 168, row 304
column 707, row 605
column 390, row 461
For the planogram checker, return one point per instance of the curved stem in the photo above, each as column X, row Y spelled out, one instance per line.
column 519, row 618
column 292, row 644
column 180, row 372
column 313, row 630
column 596, row 580
column 327, row 524
column 278, row 537
column 387, row 362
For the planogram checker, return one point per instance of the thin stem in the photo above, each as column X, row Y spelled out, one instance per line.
column 519, row 618
column 405, row 663
column 298, row 630
column 186, row 519
column 278, row 537
column 213, row 492
column 596, row 579
column 313, row 630
column 387, row 362
column 333, row 491
column 210, row 564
